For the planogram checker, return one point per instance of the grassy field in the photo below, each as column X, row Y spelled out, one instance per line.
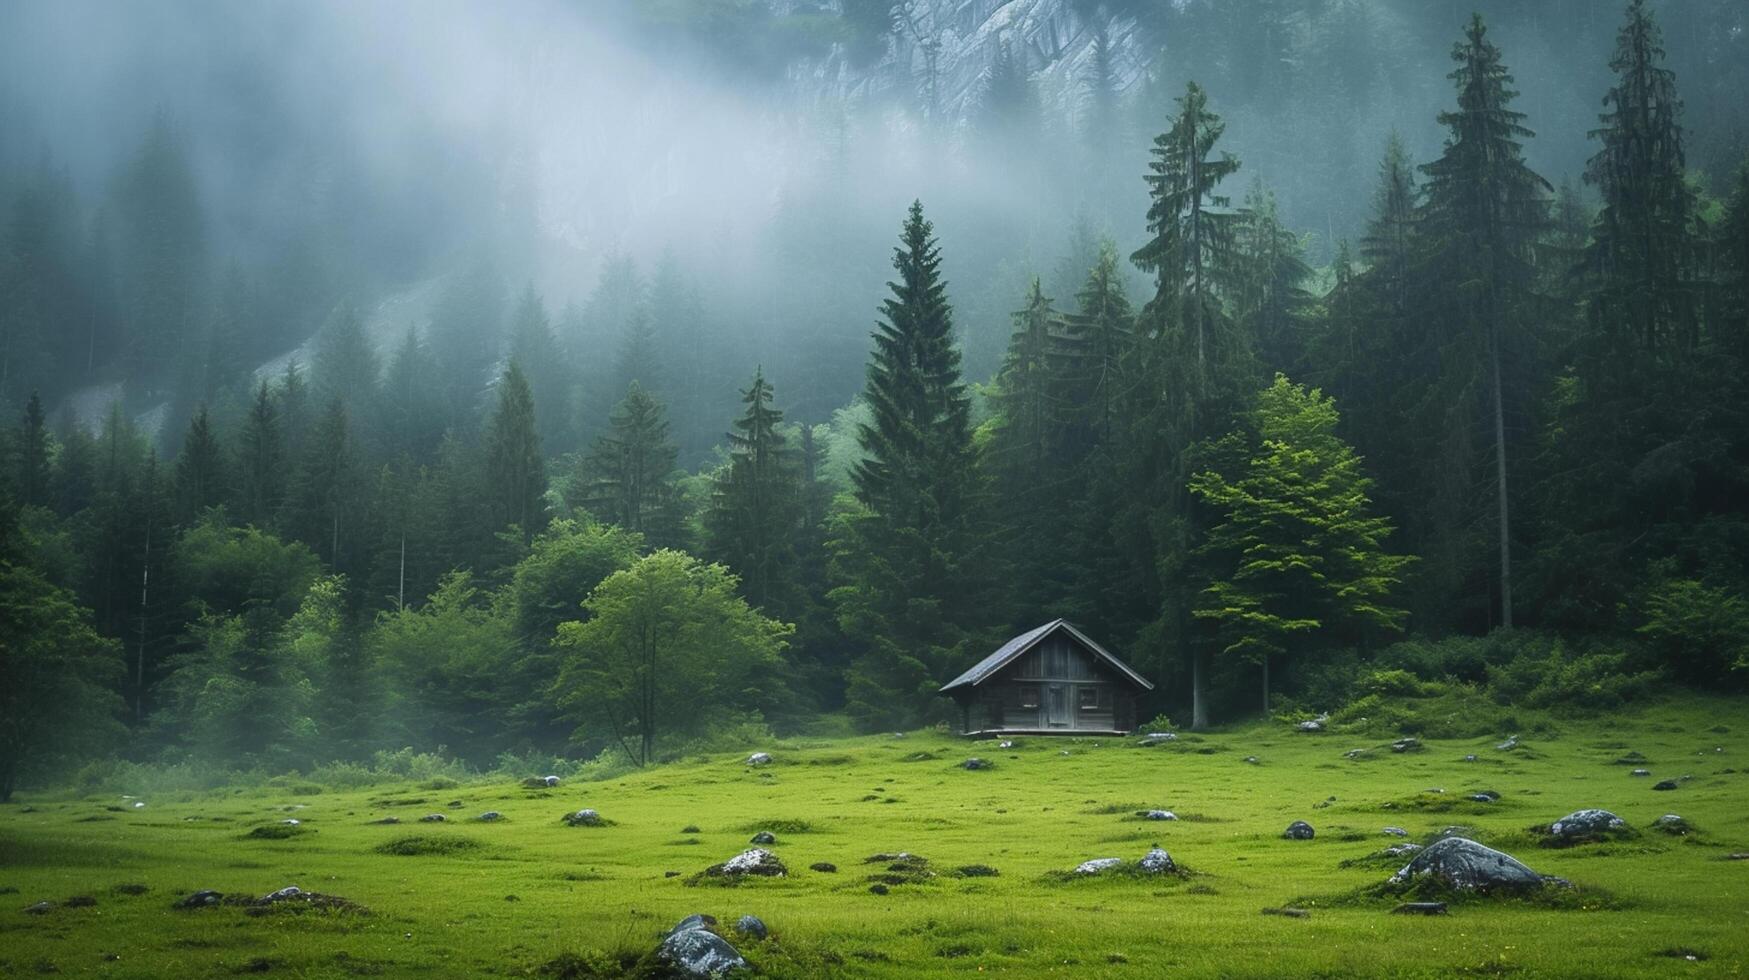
column 527, row 895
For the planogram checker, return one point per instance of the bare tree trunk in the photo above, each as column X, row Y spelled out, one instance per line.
column 1500, row 488
column 1199, row 709
column 140, row 654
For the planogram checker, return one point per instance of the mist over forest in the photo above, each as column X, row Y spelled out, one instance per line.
column 382, row 376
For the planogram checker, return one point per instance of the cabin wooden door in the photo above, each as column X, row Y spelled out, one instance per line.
column 1057, row 706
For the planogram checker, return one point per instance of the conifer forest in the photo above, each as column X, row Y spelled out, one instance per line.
column 460, row 391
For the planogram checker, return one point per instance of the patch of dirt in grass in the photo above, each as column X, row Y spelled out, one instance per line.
column 423, row 845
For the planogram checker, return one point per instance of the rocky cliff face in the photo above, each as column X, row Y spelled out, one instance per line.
column 954, row 42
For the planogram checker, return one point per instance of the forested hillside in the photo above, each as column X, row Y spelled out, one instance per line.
column 311, row 458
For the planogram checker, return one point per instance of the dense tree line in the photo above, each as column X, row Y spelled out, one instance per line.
column 1497, row 410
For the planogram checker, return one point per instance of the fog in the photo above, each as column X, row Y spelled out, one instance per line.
column 364, row 151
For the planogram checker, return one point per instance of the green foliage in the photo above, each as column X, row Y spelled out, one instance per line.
column 668, row 648
column 1699, row 632
column 1296, row 558
column 57, row 680
column 1570, row 681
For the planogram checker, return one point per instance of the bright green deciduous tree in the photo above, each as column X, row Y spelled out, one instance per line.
column 1298, row 556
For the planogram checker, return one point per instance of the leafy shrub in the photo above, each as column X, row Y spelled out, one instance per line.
column 1700, row 632
column 420, row 845
column 1558, row 679
column 1393, row 682
column 1161, row 723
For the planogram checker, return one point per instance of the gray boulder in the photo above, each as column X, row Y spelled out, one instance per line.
column 975, row 763
column 1406, row 745
column 1641, row 772
column 491, row 815
column 1586, row 824
column 1395, row 832
column 550, row 781
column 285, row 894
column 751, row 925
column 1464, row 865
column 40, row 908
column 1253, row 759
column 1310, row 726
column 697, row 920
column 698, row 952
column 1666, row 784
column 1158, row 815
column 1299, row 830
column 756, row 861
column 583, row 818
column 759, row 759
column 1157, row 861
column 1508, row 745
column 201, row 899
column 1096, row 865
column 1472, row 757
column 824, row 867
column 433, row 818
column 763, row 837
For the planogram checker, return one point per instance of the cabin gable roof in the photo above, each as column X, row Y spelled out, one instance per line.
column 1011, row 651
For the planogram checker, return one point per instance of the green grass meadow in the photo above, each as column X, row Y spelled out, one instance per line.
column 529, row 896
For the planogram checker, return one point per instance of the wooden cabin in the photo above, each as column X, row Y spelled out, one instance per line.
column 1053, row 680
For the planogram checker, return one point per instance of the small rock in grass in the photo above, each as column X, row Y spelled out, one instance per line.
column 1310, row 726
column 759, row 759
column 491, row 815
column 1508, row 745
column 1157, row 861
column 1005, row 745
column 1396, row 832
column 201, row 899
column 433, row 818
column 1252, row 759
column 1585, row 824
column 763, row 837
column 387, row 820
column 824, row 867
column 1096, row 865
column 1481, row 798
column 138, row 805
column 1406, row 745
column 284, row 894
column 1671, row 823
column 690, row 829
column 40, row 908
column 452, row 804
column 1641, row 772
column 877, row 888
column 697, row 920
column 1420, row 908
column 1158, row 815
column 670, row 874
column 698, row 952
column 1472, row 757
column 583, row 818
column 976, row 763
column 751, row 925
column 1666, row 785
column 551, row 781
column 1299, row 830
column 754, row 861
column 292, row 822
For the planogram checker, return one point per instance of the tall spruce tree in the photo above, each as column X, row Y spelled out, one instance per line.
column 1640, row 248
column 344, row 366
column 1101, row 334
column 33, row 473
column 260, row 461
column 754, row 515
column 1485, row 210
column 1195, row 370
column 535, row 350
column 202, row 472
column 516, row 479
column 908, row 559
column 413, row 409
column 322, row 503
column 628, row 477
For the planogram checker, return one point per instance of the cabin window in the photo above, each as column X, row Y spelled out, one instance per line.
column 1089, row 698
column 1029, row 695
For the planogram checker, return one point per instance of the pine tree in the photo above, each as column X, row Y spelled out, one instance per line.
column 293, row 406
column 260, row 458
column 1388, row 245
column 1006, row 107
column 202, row 475
column 33, row 473
column 1270, row 297
column 465, row 338
column 1733, row 246
column 1485, row 210
column 413, row 407
column 535, row 350
column 516, row 479
column 1101, row 334
column 907, row 560
column 321, row 503
column 1641, row 244
column 345, row 364
column 1194, row 372
column 628, row 477
column 755, row 510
